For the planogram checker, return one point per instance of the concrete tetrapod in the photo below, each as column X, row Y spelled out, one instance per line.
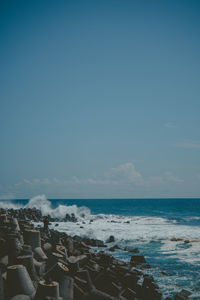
column 14, row 248
column 44, row 289
column 94, row 293
column 32, row 237
column 39, row 254
column 1, row 287
column 14, row 224
column 26, row 250
column 20, row 297
column 60, row 273
column 23, row 285
column 27, row 261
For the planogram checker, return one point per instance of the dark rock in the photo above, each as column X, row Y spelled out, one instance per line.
column 111, row 239
column 182, row 295
column 135, row 250
column 164, row 273
column 137, row 259
column 112, row 249
column 70, row 218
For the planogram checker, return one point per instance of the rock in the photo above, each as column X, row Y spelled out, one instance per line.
column 164, row 273
column 187, row 241
column 174, row 239
column 70, row 218
column 135, row 250
column 137, row 260
column 111, row 239
column 182, row 295
column 112, row 249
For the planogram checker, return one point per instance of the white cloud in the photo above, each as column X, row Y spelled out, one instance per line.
column 170, row 177
column 124, row 180
column 125, row 173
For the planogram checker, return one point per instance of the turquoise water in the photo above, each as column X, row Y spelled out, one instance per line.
column 166, row 231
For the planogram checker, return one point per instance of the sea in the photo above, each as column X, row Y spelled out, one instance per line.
column 166, row 232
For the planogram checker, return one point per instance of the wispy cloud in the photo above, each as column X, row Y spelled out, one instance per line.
column 124, row 178
column 125, row 173
column 189, row 144
column 171, row 178
column 170, row 125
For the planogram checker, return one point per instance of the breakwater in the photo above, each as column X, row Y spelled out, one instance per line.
column 38, row 263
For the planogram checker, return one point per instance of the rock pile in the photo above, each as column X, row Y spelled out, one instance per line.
column 38, row 264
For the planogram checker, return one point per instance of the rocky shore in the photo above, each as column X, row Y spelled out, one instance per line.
column 38, row 263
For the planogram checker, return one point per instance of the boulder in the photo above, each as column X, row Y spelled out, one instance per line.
column 111, row 239
column 137, row 259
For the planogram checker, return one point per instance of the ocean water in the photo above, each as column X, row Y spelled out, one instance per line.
column 166, row 231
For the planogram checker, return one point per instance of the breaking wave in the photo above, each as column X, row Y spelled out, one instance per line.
column 40, row 202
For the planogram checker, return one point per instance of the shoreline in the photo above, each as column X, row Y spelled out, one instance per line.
column 55, row 262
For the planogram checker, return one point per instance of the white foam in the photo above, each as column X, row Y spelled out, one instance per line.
column 8, row 205
column 41, row 202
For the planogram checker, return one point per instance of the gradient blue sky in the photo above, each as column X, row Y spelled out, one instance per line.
column 99, row 99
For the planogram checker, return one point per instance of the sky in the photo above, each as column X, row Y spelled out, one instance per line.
column 99, row 99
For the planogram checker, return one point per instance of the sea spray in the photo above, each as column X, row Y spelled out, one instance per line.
column 45, row 206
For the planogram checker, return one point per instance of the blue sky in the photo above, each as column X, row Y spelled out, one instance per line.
column 99, row 99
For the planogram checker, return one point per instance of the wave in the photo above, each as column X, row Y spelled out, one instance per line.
column 40, row 202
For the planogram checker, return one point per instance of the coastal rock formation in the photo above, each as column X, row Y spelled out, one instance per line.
column 38, row 264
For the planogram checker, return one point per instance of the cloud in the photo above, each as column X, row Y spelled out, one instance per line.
column 170, row 125
column 123, row 180
column 125, row 173
column 171, row 178
column 192, row 145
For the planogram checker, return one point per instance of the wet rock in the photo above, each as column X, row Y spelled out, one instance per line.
column 137, row 259
column 135, row 250
column 111, row 239
column 182, row 295
column 70, row 218
column 174, row 239
column 164, row 273
column 112, row 249
column 186, row 241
